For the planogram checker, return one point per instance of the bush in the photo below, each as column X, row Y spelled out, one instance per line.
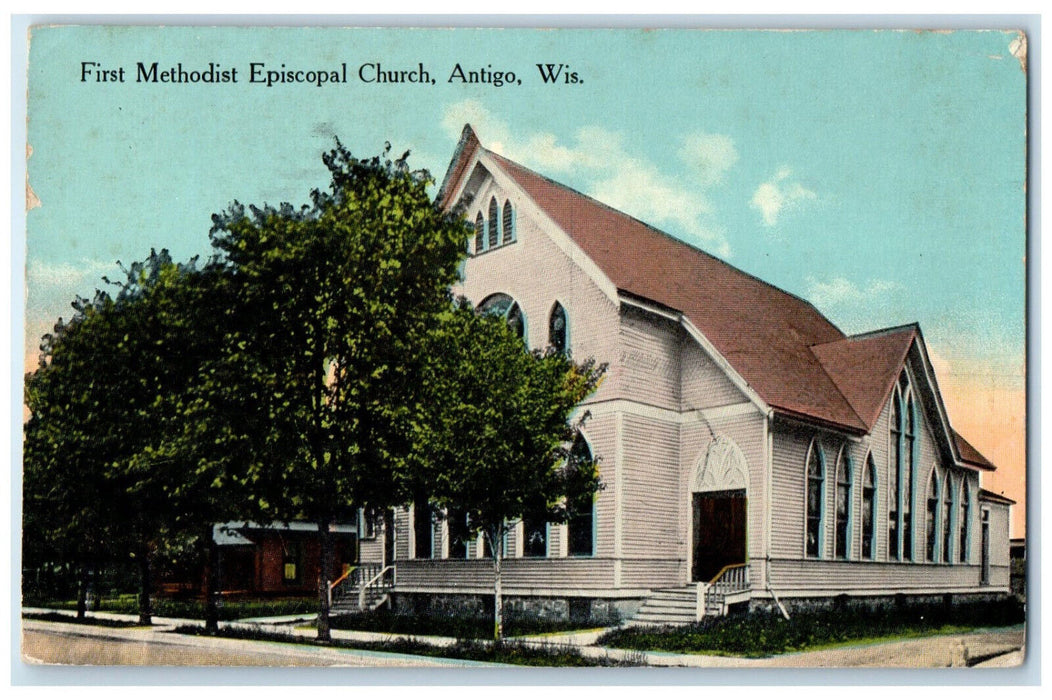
column 766, row 633
column 460, row 627
column 128, row 604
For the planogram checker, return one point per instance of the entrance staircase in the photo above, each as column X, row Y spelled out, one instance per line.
column 362, row 588
column 683, row 606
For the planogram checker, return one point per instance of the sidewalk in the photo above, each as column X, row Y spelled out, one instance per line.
column 995, row 648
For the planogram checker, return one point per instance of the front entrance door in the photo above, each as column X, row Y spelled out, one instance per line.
column 719, row 532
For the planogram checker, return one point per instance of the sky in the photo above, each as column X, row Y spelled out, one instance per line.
column 878, row 174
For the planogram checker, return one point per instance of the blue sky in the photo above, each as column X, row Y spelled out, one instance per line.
column 879, row 174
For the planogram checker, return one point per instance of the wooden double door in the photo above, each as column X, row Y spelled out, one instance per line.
column 719, row 530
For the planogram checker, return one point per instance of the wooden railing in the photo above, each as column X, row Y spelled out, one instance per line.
column 712, row 596
column 382, row 582
column 351, row 581
column 358, row 581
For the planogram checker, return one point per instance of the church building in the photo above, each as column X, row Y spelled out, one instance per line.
column 751, row 452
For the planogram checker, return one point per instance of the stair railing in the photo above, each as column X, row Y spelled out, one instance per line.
column 733, row 578
column 351, row 581
column 378, row 582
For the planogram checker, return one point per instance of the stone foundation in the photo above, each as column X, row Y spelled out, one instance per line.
column 875, row 602
column 597, row 611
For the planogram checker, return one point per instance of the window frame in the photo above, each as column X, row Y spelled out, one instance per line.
column 814, row 508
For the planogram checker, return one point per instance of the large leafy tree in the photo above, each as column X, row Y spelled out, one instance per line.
column 103, row 472
column 334, row 300
column 497, row 438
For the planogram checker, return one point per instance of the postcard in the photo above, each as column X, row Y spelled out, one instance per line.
column 429, row 347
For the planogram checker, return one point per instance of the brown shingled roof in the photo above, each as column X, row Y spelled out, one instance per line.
column 971, row 455
column 793, row 357
column 764, row 332
column 985, row 495
column 865, row 367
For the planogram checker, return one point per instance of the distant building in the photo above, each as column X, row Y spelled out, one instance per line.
column 751, row 452
column 276, row 559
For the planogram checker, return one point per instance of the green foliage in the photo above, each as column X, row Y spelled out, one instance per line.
column 102, row 481
column 333, row 299
column 461, row 627
column 763, row 634
column 195, row 609
column 498, row 434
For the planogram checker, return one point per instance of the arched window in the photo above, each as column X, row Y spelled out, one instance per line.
column 816, row 476
column 909, row 416
column 580, row 528
column 932, row 532
column 507, row 308
column 557, row 330
column 480, row 234
column 947, row 513
column 842, row 528
column 869, row 510
column 903, row 430
column 508, row 223
column 494, row 235
column 893, row 476
column 966, row 521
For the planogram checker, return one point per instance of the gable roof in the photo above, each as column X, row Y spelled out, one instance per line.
column 793, row 357
column 865, row 367
column 971, row 455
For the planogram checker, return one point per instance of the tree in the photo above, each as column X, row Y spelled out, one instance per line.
column 334, row 299
column 496, row 440
column 103, row 474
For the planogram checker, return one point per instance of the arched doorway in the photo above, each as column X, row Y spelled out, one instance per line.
column 718, row 510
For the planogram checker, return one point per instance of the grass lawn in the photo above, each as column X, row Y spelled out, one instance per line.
column 765, row 634
column 74, row 620
column 507, row 652
column 195, row 609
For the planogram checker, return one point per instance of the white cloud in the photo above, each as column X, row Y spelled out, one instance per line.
column 839, row 292
column 69, row 275
column 779, row 194
column 614, row 176
column 711, row 156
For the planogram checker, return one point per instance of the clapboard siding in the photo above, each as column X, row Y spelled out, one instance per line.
column 371, row 550
column 537, row 273
column 704, row 385
column 787, row 576
column 650, row 517
column 787, row 489
column 648, row 359
column 477, row 574
column 999, row 552
column 601, row 434
column 651, row 573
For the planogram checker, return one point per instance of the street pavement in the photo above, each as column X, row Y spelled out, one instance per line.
column 66, row 643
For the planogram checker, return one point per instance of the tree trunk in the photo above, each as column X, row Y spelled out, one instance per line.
column 497, row 545
column 325, row 538
column 145, row 608
column 82, row 590
column 211, row 572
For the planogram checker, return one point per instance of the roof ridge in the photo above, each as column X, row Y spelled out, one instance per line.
column 665, row 234
column 891, row 330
